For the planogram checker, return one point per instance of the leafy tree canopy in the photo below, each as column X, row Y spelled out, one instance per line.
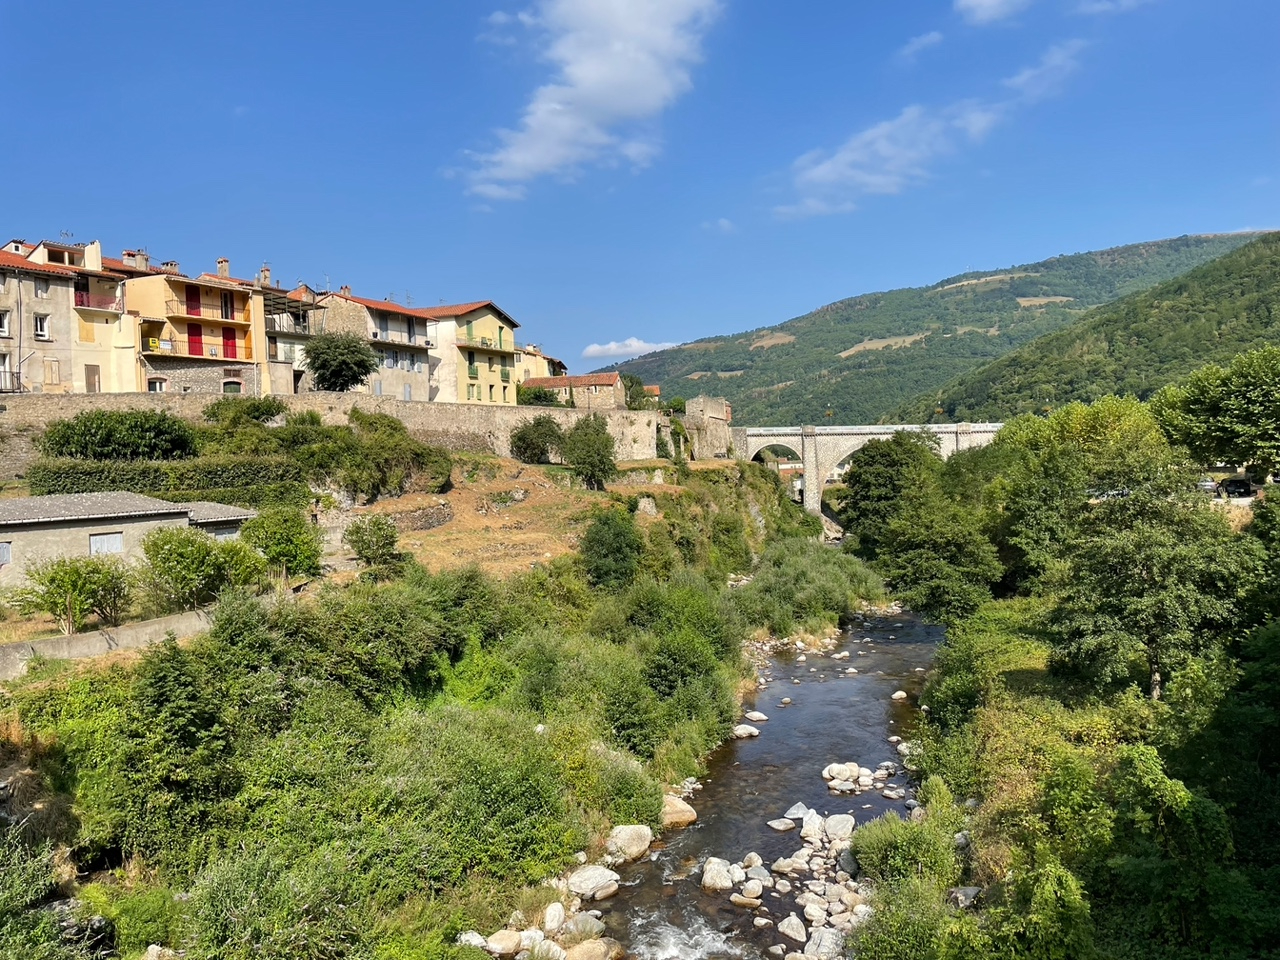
column 536, row 397
column 535, row 440
column 588, row 449
column 340, row 361
column 120, row 435
column 879, row 475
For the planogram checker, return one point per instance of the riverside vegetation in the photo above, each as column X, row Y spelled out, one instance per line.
column 366, row 771
column 1100, row 729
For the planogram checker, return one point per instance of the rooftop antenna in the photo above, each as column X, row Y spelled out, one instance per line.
column 66, row 234
column 408, row 298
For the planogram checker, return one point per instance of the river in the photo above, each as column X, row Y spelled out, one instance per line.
column 661, row 912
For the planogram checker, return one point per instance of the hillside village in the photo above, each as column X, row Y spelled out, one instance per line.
column 73, row 321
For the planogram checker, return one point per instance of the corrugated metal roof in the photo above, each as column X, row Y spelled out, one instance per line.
column 83, row 506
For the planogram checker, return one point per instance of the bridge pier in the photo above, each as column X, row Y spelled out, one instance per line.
column 813, row 478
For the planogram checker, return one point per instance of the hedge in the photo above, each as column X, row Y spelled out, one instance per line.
column 150, row 476
column 286, row 494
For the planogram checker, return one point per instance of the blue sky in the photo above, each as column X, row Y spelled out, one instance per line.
column 656, row 170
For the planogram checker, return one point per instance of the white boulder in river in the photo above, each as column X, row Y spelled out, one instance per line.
column 716, row 877
column 677, row 813
column 553, row 917
column 587, row 881
column 900, row 695
column 840, row 826
column 793, row 927
column 630, row 842
column 825, row 944
column 755, row 716
column 797, row 811
column 744, row 730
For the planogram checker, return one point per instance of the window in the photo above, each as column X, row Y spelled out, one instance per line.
column 157, row 385
column 471, row 391
column 52, row 372
column 491, row 364
column 408, row 392
column 504, row 394
column 42, row 288
column 42, row 327
column 4, row 323
column 411, row 328
column 491, row 393
column 6, row 552
column 232, row 386
column 105, row 543
column 377, row 388
column 471, row 356
column 228, row 306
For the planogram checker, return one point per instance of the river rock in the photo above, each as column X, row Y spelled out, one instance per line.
column 783, row 887
column 797, row 811
column 546, row 950
column 782, row 825
column 751, row 860
column 963, row 897
column 761, row 874
column 786, row 701
column 715, row 875
column 471, row 938
column 744, row 731
column 813, row 827
column 504, row 943
column 602, row 949
column 761, row 922
column 816, row 912
column 840, row 826
column 531, row 938
column 753, row 889
column 583, row 926
column 737, row 874
column 586, row 881
column 755, row 716
column 677, row 813
column 824, row 943
column 900, row 695
column 608, row 890
column 553, row 917
column 630, row 842
column 793, row 928
column 747, row 903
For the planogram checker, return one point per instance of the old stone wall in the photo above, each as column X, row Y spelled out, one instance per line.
column 466, row 427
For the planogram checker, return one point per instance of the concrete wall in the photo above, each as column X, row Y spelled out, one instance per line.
column 70, row 538
column 470, row 427
column 131, row 636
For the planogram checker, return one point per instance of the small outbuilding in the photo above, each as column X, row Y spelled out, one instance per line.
column 87, row 524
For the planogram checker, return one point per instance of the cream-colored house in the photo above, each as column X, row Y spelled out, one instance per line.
column 478, row 351
column 532, row 363
column 404, row 339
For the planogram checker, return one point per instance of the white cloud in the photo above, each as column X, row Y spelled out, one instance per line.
column 1047, row 77
column 989, row 11
column 919, row 44
column 1110, row 6
column 630, row 347
column 893, row 155
column 618, row 65
column 723, row 225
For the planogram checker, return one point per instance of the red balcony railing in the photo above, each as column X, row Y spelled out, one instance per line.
column 185, row 347
column 204, row 311
column 99, row 301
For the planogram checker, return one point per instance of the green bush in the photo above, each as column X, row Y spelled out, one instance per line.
column 287, row 494
column 800, row 583
column 187, row 568
column 907, row 922
column 26, row 881
column 533, row 441
column 374, row 540
column 287, row 539
column 230, row 409
column 611, row 549
column 890, row 849
column 151, row 476
column 119, row 435
column 588, row 449
column 71, row 588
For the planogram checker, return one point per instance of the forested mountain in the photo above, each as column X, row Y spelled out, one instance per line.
column 858, row 360
column 1135, row 346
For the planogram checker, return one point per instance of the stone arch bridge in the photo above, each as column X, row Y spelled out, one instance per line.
column 821, row 449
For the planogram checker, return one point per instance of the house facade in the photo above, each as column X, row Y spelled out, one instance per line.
column 404, row 339
column 532, row 363
column 478, row 352
column 591, row 391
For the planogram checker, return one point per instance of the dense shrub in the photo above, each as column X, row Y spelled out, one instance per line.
column 340, row 361
column 533, row 441
column 154, row 476
column 890, row 849
column 287, row 494
column 588, row 449
column 26, row 881
column 69, row 589
column 119, row 435
column 287, row 539
column 187, row 568
column 373, row 539
column 611, row 549
column 803, row 583
column 231, row 409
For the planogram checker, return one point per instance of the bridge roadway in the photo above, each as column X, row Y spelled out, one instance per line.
column 822, row 448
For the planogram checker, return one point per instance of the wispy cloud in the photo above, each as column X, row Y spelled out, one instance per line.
column 1110, row 6
column 723, row 225
column 618, row 66
column 630, row 347
column 989, row 11
column 890, row 156
column 917, row 45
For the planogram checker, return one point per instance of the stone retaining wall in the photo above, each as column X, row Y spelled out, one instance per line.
column 130, row 636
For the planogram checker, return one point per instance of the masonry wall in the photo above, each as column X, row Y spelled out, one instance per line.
column 468, row 427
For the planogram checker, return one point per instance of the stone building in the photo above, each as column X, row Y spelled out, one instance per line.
column 404, row 339
column 85, row 524
column 591, row 391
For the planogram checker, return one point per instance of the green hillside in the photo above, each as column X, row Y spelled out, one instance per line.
column 857, row 360
column 1134, row 346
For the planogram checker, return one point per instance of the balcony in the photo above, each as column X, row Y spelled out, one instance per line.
column 103, row 302
column 506, row 374
column 197, row 350
column 473, row 371
column 10, row 382
column 397, row 336
column 286, row 323
column 488, row 343
column 203, row 311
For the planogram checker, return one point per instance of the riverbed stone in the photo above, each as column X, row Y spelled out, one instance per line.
column 747, row 903
column 582, row 926
column 751, row 860
column 761, row 922
column 472, row 938
column 715, row 875
column 629, row 842
column 813, row 827
column 840, row 826
column 755, row 716
column 797, row 811
column 504, row 943
column 547, row 950
column 602, row 949
column 782, row 825
column 753, row 889
column 825, row 944
column 783, row 887
column 608, row 890
column 815, row 912
column 793, row 928
column 761, row 874
column 677, row 813
column 553, row 917
column 585, row 881
column 899, row 695
column 745, row 731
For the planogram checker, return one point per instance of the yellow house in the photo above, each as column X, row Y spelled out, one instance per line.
column 532, row 364
column 480, row 366
column 199, row 335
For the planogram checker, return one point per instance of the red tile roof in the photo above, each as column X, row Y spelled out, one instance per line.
column 386, row 306
column 652, row 391
column 17, row 261
column 585, row 380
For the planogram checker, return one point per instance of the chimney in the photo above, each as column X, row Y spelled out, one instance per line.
column 224, row 267
column 344, row 290
column 170, row 266
column 265, row 274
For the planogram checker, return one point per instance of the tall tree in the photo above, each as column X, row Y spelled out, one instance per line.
column 588, row 449
column 340, row 361
column 878, row 478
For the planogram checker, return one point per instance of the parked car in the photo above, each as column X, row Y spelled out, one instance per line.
column 1207, row 485
column 1237, row 487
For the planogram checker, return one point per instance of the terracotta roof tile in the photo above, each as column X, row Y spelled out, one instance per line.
column 16, row 261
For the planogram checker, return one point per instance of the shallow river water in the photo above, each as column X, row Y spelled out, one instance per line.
column 661, row 912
